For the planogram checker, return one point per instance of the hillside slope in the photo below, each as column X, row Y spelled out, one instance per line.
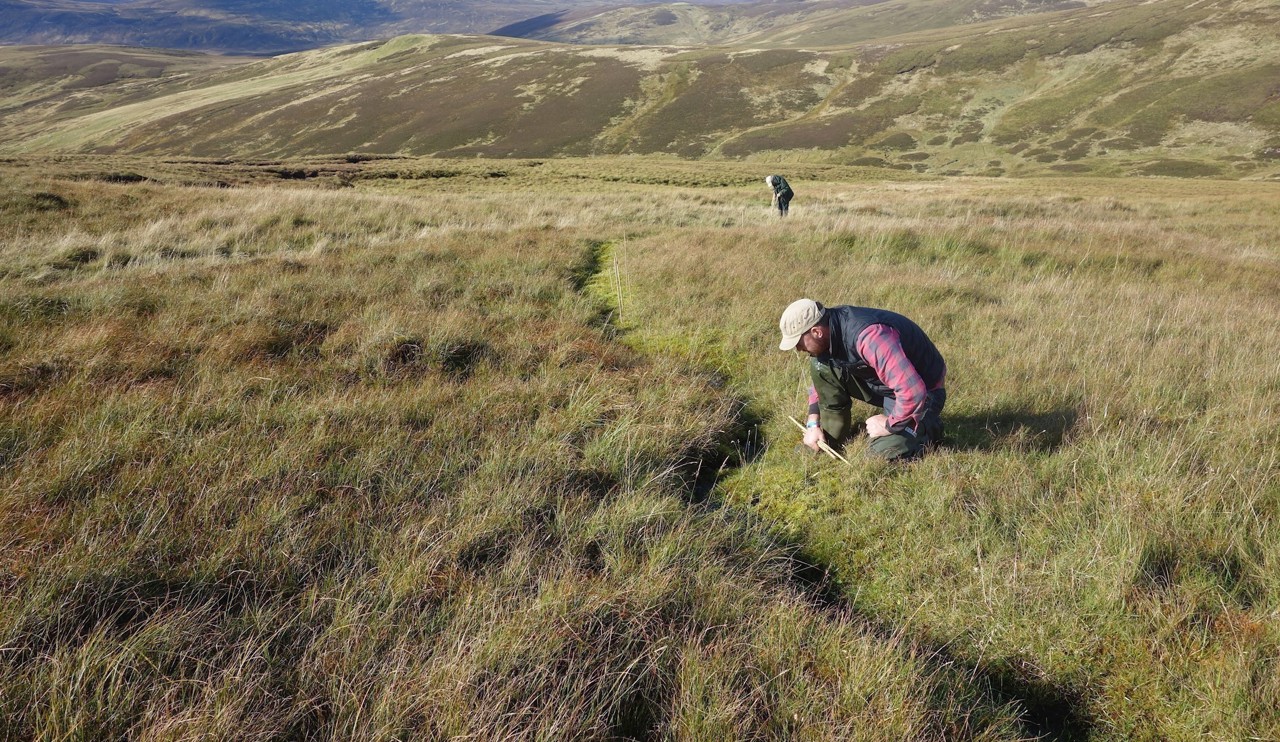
column 790, row 22
column 1159, row 88
column 254, row 27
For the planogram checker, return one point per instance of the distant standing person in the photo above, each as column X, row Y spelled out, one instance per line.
column 876, row 356
column 782, row 193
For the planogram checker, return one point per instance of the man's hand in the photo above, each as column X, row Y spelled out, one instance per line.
column 812, row 437
column 877, row 426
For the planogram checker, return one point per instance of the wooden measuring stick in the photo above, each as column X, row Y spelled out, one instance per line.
column 822, row 444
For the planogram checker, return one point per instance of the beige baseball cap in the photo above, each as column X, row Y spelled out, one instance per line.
column 797, row 319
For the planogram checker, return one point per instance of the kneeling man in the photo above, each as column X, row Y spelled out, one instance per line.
column 876, row 356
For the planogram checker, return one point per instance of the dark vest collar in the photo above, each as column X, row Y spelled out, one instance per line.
column 836, row 348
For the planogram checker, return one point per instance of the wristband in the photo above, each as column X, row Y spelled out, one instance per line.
column 811, row 424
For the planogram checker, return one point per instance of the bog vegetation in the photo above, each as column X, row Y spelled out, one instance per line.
column 401, row 448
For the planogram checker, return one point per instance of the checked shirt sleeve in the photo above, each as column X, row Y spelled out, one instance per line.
column 881, row 347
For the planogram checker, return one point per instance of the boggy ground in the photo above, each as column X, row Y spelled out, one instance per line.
column 499, row 449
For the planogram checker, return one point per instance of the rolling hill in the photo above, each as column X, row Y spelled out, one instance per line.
column 809, row 22
column 252, row 27
column 1149, row 88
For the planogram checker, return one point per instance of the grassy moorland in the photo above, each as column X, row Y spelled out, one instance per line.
column 316, row 463
column 1104, row 518
column 411, row 448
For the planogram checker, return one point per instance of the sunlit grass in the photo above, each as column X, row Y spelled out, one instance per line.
column 313, row 463
column 1103, row 515
column 426, row 457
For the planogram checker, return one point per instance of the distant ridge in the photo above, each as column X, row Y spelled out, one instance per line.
column 1128, row 87
column 531, row 26
column 267, row 27
column 786, row 22
column 274, row 26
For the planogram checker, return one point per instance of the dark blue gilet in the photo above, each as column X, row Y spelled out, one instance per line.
column 848, row 322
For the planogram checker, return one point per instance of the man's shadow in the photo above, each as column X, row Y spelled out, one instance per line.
column 1009, row 428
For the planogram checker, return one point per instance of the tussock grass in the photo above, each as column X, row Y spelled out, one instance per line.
column 1102, row 518
column 374, row 463
column 509, row 458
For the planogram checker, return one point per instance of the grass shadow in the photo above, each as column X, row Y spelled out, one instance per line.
column 741, row 444
column 1049, row 709
column 1010, row 428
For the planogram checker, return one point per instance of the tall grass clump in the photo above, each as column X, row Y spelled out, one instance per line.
column 1100, row 525
column 302, row 463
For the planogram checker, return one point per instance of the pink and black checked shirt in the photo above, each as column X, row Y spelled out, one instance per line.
column 881, row 347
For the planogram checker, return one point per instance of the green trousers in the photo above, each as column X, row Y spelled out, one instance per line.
column 837, row 389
